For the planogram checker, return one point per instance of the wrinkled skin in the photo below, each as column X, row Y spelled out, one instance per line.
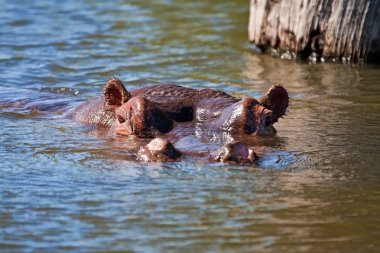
column 166, row 111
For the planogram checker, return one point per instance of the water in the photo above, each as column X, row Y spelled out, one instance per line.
column 65, row 187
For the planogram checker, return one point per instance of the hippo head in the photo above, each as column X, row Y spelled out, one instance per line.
column 134, row 115
column 255, row 117
column 137, row 115
column 247, row 116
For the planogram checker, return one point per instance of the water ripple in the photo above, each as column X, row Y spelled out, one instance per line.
column 66, row 187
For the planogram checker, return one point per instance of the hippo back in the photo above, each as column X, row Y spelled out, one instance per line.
column 173, row 91
column 94, row 112
column 207, row 103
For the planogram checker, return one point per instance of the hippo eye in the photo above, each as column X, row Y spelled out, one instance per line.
column 120, row 119
column 268, row 121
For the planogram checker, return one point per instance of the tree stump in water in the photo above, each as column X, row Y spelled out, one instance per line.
column 330, row 29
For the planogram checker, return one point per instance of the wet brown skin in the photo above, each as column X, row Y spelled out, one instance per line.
column 166, row 109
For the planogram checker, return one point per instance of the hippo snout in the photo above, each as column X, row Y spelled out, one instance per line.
column 236, row 152
column 159, row 149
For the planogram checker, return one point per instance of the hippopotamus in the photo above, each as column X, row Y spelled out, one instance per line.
column 165, row 113
column 168, row 122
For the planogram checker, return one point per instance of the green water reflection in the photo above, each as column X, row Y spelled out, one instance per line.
column 66, row 187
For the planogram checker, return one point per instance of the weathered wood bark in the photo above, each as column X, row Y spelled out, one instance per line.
column 344, row 29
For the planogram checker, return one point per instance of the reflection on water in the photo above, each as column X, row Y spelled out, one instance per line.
column 67, row 187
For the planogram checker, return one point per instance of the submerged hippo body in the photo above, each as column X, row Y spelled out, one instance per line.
column 167, row 111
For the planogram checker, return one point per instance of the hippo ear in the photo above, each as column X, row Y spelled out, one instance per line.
column 115, row 93
column 276, row 100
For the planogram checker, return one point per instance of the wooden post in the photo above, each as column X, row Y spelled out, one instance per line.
column 331, row 29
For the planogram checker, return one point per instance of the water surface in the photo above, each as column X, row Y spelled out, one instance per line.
column 67, row 188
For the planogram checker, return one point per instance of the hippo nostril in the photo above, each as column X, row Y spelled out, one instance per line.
column 268, row 121
column 120, row 119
